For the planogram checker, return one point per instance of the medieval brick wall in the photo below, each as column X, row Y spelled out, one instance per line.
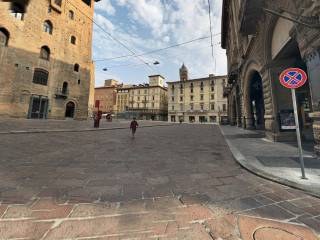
column 21, row 57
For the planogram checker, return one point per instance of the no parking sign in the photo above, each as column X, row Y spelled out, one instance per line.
column 294, row 78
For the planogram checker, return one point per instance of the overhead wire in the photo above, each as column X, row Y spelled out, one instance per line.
column 157, row 50
column 211, row 34
column 170, row 56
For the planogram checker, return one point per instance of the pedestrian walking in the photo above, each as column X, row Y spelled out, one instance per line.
column 133, row 126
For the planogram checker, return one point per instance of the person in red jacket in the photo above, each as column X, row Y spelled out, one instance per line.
column 133, row 126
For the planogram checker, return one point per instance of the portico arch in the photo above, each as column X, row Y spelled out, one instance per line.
column 254, row 108
column 282, row 52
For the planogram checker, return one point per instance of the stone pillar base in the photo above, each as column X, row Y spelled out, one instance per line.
column 249, row 124
column 316, row 133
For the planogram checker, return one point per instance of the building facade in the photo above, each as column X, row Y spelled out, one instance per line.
column 144, row 101
column 107, row 96
column 262, row 39
column 45, row 58
column 122, row 102
column 197, row 100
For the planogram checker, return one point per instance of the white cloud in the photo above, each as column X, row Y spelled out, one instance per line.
column 106, row 6
column 104, row 22
column 158, row 23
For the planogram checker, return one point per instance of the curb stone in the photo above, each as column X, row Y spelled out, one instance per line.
column 243, row 162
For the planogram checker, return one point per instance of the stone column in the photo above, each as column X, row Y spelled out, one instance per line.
column 313, row 64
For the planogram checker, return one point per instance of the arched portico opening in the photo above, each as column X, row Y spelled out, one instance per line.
column 254, row 102
column 284, row 52
column 70, row 110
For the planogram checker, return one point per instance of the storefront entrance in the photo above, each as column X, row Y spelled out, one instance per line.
column 38, row 108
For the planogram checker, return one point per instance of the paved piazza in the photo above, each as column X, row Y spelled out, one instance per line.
column 170, row 182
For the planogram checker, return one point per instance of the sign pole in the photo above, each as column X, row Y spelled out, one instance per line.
column 293, row 92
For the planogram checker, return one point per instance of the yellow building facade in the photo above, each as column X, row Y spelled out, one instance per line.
column 197, row 100
column 46, row 69
column 144, row 101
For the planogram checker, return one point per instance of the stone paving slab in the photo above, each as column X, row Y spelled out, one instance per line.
column 177, row 182
column 278, row 162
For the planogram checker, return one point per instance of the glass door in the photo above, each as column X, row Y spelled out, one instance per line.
column 38, row 107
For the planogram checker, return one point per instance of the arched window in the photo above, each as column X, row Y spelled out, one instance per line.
column 65, row 88
column 58, row 2
column 76, row 67
column 17, row 10
column 45, row 53
column 4, row 37
column 73, row 40
column 47, row 27
column 40, row 76
column 71, row 14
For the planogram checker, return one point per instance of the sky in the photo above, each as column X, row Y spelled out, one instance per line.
column 134, row 27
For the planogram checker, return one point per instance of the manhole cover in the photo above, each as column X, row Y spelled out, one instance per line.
column 269, row 233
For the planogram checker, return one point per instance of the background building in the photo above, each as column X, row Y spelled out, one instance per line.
column 260, row 45
column 107, row 96
column 197, row 100
column 144, row 101
column 122, row 103
column 45, row 58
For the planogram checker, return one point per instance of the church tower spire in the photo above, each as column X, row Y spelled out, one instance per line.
column 183, row 73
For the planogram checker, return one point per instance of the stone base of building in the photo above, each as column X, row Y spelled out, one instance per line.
column 281, row 136
column 316, row 131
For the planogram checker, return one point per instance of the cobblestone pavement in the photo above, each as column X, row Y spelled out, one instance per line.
column 174, row 182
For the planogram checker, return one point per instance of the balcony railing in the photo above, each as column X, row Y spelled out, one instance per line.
column 62, row 93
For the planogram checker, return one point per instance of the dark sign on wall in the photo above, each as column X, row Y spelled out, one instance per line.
column 287, row 121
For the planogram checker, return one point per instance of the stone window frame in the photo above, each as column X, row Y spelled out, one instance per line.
column 5, row 35
column 65, row 88
column 17, row 10
column 48, row 27
column 212, row 106
column 40, row 76
column 45, row 53
column 71, row 15
column 76, row 67
column 73, row 40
